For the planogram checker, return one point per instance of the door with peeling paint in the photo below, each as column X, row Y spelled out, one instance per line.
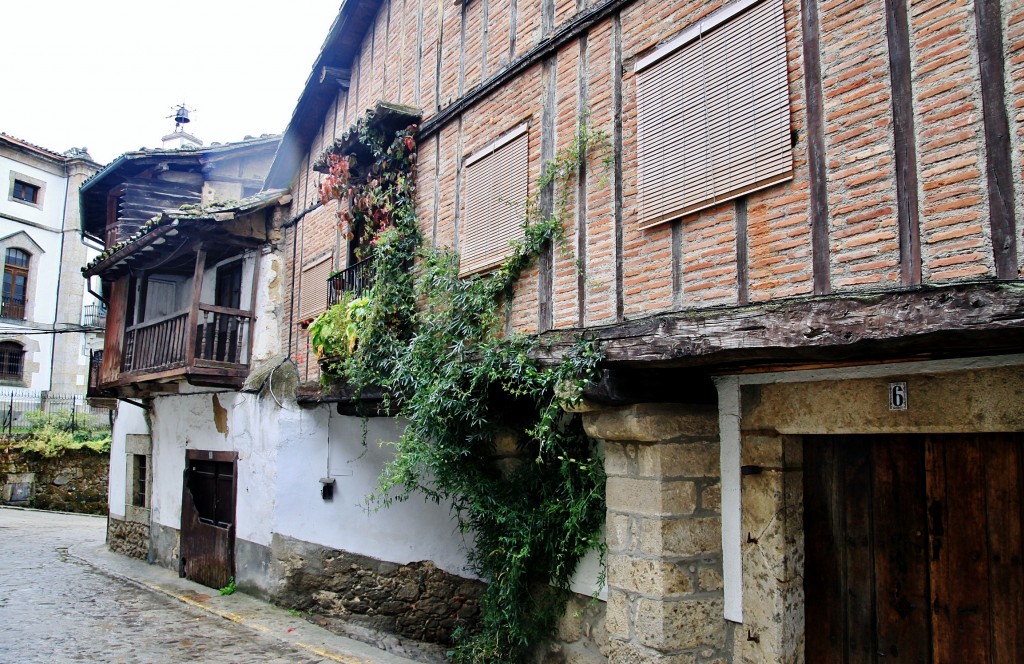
column 914, row 548
column 208, row 517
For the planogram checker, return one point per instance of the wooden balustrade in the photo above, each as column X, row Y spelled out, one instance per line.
column 156, row 345
column 221, row 341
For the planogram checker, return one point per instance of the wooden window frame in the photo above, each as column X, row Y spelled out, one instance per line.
column 496, row 189
column 713, row 116
column 9, row 307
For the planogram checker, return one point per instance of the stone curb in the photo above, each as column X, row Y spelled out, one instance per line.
column 242, row 609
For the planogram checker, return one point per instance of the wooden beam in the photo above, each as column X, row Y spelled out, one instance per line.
column 339, row 75
column 816, row 148
column 958, row 320
column 193, row 314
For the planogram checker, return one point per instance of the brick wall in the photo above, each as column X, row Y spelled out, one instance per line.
column 432, row 54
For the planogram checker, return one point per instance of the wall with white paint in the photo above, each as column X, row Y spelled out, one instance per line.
column 128, row 419
column 318, row 443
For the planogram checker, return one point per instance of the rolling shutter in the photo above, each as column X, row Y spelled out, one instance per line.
column 313, row 289
column 713, row 112
column 496, row 189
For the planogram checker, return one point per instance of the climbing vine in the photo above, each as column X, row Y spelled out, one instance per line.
column 435, row 344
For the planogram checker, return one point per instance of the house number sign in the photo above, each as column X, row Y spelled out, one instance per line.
column 898, row 396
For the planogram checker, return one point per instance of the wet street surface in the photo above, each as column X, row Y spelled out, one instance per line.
column 56, row 608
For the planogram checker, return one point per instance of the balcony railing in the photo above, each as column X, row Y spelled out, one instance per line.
column 354, row 279
column 221, row 341
column 12, row 307
column 156, row 345
column 94, row 315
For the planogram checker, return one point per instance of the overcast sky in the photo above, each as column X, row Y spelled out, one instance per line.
column 105, row 74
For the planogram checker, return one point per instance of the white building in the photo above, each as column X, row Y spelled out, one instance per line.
column 48, row 320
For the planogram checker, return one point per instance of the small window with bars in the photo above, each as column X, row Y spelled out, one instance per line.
column 495, row 201
column 713, row 112
column 12, row 361
column 140, row 464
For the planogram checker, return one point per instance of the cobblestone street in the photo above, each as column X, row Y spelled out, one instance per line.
column 55, row 607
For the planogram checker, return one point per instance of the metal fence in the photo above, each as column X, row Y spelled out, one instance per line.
column 23, row 411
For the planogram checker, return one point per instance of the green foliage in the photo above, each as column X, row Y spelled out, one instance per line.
column 334, row 334
column 52, row 434
column 436, row 345
column 230, row 588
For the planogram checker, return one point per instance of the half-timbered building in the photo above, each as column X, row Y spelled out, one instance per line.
column 803, row 267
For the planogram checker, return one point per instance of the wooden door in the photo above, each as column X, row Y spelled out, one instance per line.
column 914, row 548
column 208, row 517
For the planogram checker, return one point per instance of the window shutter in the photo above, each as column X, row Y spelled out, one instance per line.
column 496, row 189
column 713, row 113
column 313, row 289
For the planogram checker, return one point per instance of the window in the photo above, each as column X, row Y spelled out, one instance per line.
column 496, row 189
column 713, row 112
column 23, row 191
column 313, row 289
column 12, row 361
column 15, row 286
column 26, row 190
column 139, row 464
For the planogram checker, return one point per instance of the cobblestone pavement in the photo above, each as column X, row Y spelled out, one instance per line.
column 55, row 608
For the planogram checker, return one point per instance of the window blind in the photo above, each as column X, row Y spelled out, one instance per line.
column 313, row 289
column 495, row 202
column 713, row 113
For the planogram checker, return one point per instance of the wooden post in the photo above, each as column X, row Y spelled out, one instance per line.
column 193, row 314
column 250, row 325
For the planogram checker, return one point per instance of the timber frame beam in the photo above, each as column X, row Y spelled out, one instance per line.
column 921, row 323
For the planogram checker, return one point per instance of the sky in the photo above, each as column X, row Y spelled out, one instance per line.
column 106, row 74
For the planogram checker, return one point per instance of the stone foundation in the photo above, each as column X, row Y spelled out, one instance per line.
column 74, row 481
column 129, row 538
column 415, row 601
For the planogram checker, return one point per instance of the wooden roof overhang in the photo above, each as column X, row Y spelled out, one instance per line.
column 385, row 118
column 177, row 232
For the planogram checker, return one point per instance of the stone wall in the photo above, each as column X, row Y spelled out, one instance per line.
column 129, row 538
column 74, row 481
column 664, row 560
column 416, row 601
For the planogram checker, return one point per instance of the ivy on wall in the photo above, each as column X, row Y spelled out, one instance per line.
column 435, row 344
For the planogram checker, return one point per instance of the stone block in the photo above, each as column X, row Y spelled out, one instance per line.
column 619, row 458
column 617, row 532
column 648, row 577
column 617, row 614
column 709, row 579
column 680, row 625
column 650, row 497
column 652, row 422
column 632, row 653
column 681, row 537
column 692, row 459
column 711, row 498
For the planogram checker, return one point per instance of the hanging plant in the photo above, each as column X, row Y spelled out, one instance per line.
column 435, row 344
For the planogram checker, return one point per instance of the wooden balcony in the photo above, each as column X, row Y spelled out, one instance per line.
column 206, row 345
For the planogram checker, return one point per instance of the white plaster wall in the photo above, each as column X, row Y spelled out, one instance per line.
column 267, row 337
column 128, row 419
column 51, row 212
column 318, row 442
column 186, row 421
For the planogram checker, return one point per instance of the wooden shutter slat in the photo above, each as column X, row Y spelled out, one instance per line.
column 313, row 293
column 713, row 117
